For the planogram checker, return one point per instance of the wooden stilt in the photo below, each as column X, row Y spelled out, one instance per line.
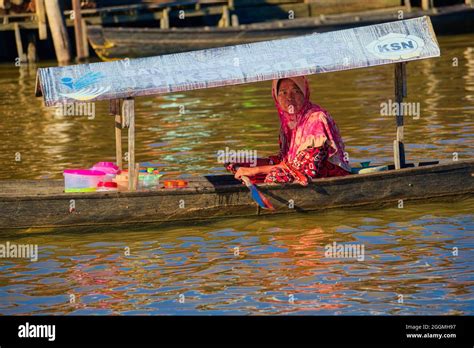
column 400, row 93
column 41, row 14
column 78, row 31
column 116, row 112
column 85, row 44
column 128, row 111
column 408, row 5
column 165, row 19
column 32, row 53
column 19, row 45
column 225, row 19
column 235, row 20
column 58, row 31
column 425, row 5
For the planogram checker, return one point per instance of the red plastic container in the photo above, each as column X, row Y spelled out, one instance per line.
column 175, row 183
column 107, row 186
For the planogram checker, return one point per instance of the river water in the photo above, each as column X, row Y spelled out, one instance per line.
column 416, row 260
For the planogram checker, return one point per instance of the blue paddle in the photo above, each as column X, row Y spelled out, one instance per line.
column 257, row 196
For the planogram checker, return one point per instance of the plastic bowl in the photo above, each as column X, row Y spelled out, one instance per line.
column 82, row 180
column 106, row 167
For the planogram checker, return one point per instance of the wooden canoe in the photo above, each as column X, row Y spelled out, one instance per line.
column 112, row 43
column 26, row 204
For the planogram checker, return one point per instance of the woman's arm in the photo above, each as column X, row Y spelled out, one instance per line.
column 251, row 171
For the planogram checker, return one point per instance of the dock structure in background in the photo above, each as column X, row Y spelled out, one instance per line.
column 113, row 27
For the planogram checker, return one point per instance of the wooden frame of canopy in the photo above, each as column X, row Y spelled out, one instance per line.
column 123, row 111
column 119, row 82
column 400, row 93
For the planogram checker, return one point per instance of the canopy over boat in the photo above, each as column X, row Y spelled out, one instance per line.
column 387, row 43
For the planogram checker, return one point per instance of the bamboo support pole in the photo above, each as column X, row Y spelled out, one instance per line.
column 135, row 179
column 128, row 111
column 58, row 31
column 400, row 93
column 116, row 112
column 118, row 141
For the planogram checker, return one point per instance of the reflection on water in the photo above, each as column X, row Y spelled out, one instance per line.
column 279, row 266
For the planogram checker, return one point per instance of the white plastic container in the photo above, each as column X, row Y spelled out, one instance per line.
column 82, row 180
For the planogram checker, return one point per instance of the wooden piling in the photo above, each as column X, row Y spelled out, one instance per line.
column 165, row 19
column 408, row 5
column 84, row 39
column 41, row 14
column 225, row 19
column 32, row 52
column 425, row 5
column 19, row 44
column 78, row 32
column 235, row 20
column 58, row 31
column 400, row 93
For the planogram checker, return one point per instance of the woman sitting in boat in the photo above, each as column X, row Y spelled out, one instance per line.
column 310, row 144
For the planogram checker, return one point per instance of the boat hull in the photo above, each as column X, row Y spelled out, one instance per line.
column 26, row 204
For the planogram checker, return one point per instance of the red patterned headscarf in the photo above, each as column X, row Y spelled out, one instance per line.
column 311, row 126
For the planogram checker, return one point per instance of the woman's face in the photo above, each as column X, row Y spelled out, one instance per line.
column 290, row 97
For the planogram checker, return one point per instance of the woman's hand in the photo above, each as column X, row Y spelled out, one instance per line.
column 245, row 171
